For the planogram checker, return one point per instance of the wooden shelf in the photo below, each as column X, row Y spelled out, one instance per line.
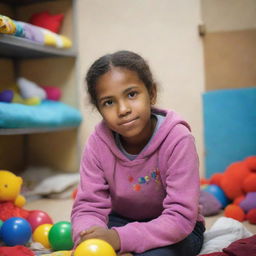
column 22, row 2
column 16, row 47
column 33, row 130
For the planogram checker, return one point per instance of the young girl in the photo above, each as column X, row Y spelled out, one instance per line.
column 139, row 187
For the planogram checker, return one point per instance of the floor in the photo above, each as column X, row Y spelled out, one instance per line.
column 59, row 210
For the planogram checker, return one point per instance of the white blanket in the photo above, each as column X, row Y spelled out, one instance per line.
column 223, row 232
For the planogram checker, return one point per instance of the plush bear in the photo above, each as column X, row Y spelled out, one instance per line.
column 10, row 186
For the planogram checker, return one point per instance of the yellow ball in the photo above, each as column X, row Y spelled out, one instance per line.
column 40, row 235
column 94, row 247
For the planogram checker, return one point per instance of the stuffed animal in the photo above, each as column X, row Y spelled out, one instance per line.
column 10, row 186
column 46, row 20
column 239, row 184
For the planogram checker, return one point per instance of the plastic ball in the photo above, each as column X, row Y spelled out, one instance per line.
column 218, row 193
column 1, row 223
column 37, row 218
column 16, row 231
column 94, row 247
column 41, row 233
column 60, row 236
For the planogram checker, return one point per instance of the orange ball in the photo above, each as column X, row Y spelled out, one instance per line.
column 235, row 212
column 251, row 216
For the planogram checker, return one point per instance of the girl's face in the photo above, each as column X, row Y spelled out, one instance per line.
column 125, row 104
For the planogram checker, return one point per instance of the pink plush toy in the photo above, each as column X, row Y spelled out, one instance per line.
column 52, row 92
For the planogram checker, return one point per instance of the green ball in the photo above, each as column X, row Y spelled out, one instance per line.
column 60, row 237
column 1, row 223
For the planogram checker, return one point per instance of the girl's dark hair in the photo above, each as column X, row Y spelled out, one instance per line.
column 123, row 59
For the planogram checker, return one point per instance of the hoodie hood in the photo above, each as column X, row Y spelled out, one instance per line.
column 172, row 119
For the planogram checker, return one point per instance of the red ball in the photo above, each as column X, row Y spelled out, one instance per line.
column 251, row 216
column 37, row 218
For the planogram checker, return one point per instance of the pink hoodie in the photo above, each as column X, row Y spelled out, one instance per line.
column 161, row 184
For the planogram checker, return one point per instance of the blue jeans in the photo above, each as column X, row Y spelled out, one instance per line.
column 190, row 246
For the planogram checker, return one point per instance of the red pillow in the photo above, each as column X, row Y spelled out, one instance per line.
column 47, row 20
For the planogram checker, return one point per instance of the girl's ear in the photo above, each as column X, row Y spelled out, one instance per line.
column 153, row 94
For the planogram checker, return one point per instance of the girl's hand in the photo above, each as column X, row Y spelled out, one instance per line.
column 108, row 235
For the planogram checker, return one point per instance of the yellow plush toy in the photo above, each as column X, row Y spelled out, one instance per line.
column 10, row 186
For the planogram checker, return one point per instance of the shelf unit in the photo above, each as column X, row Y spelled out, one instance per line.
column 57, row 148
column 21, row 48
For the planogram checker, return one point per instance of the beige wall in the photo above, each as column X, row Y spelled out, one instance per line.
column 165, row 33
column 229, row 43
column 228, row 15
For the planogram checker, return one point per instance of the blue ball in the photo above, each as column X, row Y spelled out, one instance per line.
column 15, row 231
column 218, row 193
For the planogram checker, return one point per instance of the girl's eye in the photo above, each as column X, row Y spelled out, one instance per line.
column 107, row 103
column 132, row 94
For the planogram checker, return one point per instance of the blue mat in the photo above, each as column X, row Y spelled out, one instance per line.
column 229, row 127
column 47, row 114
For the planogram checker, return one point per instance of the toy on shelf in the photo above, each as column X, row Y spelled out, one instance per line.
column 10, row 186
column 29, row 89
column 6, row 96
column 29, row 93
column 52, row 92
column 32, row 32
column 238, row 183
column 46, row 20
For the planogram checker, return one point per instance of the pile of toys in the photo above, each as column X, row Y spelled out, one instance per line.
column 19, row 227
column 235, row 189
column 28, row 92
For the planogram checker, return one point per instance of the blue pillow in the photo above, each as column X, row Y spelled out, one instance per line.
column 50, row 114
column 229, row 127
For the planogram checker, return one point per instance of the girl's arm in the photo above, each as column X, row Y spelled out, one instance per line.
column 92, row 204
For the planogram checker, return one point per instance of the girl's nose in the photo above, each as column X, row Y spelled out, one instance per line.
column 123, row 108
